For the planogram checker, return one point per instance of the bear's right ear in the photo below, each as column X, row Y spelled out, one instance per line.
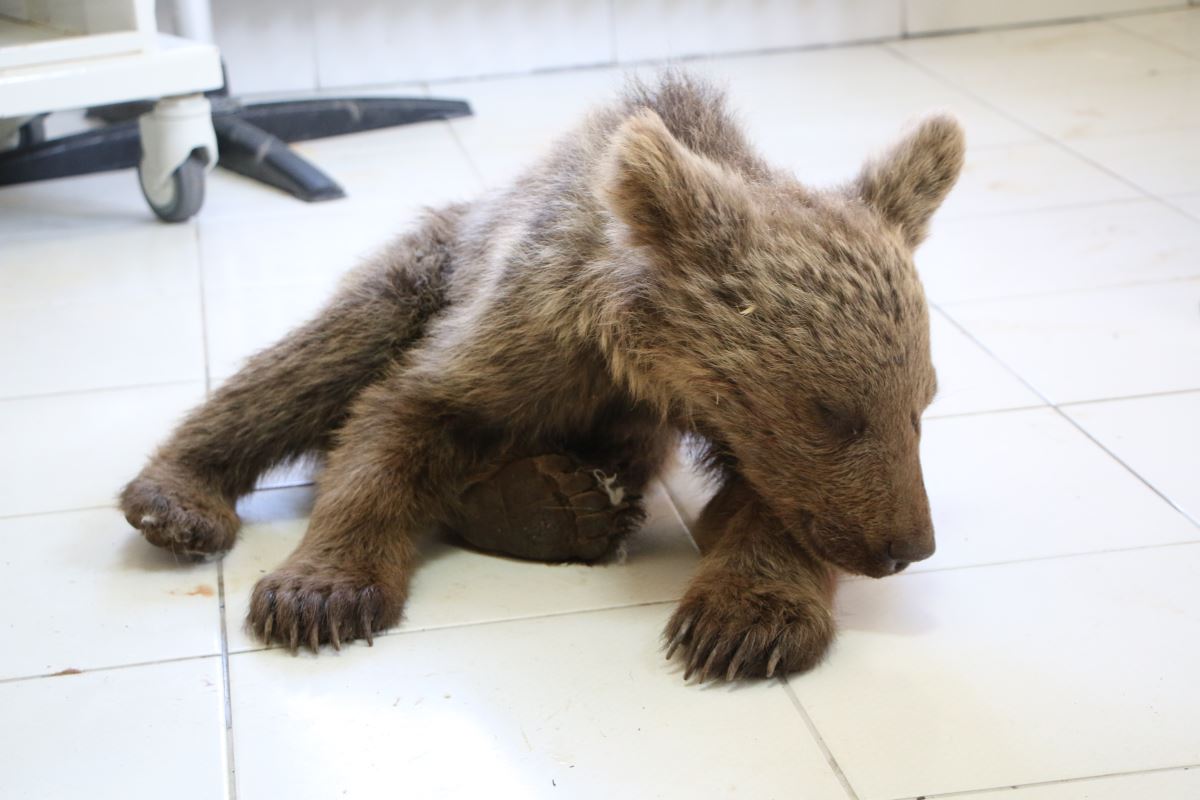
column 685, row 207
column 909, row 183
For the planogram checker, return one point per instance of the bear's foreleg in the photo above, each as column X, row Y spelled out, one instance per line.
column 287, row 400
column 760, row 603
column 401, row 461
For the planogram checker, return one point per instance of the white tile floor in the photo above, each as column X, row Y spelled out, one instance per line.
column 1052, row 645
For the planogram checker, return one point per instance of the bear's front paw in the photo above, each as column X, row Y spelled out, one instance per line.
column 180, row 513
column 313, row 605
column 732, row 628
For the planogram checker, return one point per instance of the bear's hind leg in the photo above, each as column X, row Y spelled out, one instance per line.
column 576, row 504
column 550, row 507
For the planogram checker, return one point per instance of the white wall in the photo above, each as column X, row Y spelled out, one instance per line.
column 287, row 45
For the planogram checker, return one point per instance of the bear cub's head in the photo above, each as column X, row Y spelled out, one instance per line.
column 789, row 326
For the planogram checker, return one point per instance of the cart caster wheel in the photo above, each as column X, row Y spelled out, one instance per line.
column 183, row 195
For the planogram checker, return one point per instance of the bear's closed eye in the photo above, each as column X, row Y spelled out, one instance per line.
column 846, row 425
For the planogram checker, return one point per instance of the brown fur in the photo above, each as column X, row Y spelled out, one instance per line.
column 651, row 277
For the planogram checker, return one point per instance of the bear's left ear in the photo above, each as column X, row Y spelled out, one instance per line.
column 909, row 183
column 686, row 208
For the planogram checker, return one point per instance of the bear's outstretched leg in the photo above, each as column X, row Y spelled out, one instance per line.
column 287, row 400
column 400, row 464
column 760, row 603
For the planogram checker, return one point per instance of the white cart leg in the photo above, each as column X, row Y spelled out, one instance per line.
column 178, row 148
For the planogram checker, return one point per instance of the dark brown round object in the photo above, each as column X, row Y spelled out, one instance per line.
column 547, row 508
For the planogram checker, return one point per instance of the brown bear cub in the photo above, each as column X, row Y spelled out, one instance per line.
column 517, row 369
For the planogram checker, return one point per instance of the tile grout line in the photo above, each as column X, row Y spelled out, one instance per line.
column 1055, row 782
column 1003, row 213
column 1071, row 420
column 80, row 509
column 97, row 389
column 1147, row 396
column 820, row 740
column 230, row 762
column 1113, row 22
column 1074, row 290
column 114, row 505
column 462, row 149
column 203, row 308
column 1067, row 417
column 1034, row 559
column 108, row 668
column 674, row 504
column 395, row 632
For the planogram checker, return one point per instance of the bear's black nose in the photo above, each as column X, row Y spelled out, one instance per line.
column 910, row 550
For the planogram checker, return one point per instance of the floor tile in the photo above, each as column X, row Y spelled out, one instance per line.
column 145, row 732
column 576, row 706
column 456, row 586
column 1077, row 110
column 517, row 119
column 1029, row 484
column 242, row 320
column 962, row 679
column 869, row 97
column 1188, row 203
column 1157, row 437
column 76, row 451
column 66, row 205
column 1177, row 29
column 1149, row 160
column 1108, row 244
column 135, row 264
column 1094, row 345
column 84, row 590
column 273, row 251
column 969, row 379
column 1181, row 784
column 125, row 306
column 1037, row 56
column 1028, row 176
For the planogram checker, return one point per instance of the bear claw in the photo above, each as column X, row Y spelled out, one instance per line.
column 311, row 606
column 730, row 634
